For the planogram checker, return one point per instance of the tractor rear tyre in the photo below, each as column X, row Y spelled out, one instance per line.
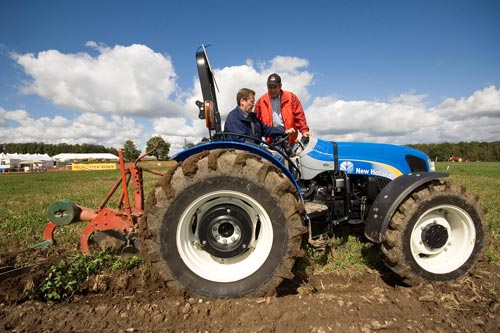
column 436, row 234
column 224, row 223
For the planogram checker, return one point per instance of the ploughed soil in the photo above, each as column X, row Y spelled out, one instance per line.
column 371, row 301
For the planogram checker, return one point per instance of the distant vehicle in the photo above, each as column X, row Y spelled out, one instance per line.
column 457, row 159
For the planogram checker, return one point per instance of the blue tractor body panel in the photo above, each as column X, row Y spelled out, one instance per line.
column 202, row 147
column 383, row 160
column 367, row 159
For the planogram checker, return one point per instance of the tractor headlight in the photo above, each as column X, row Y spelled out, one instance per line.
column 432, row 165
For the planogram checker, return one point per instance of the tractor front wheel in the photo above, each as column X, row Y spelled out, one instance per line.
column 436, row 234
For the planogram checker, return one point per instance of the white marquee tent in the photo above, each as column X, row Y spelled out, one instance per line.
column 25, row 162
column 66, row 157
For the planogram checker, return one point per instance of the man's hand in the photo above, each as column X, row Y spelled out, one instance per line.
column 307, row 134
column 290, row 131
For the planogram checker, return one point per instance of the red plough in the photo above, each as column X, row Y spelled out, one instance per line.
column 116, row 228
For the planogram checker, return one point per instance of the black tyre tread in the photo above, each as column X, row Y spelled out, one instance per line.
column 392, row 247
column 198, row 168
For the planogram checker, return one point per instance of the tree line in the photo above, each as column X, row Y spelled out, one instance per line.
column 467, row 151
column 54, row 149
column 130, row 151
column 471, row 151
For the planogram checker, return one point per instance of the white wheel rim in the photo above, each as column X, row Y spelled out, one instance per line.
column 459, row 244
column 216, row 269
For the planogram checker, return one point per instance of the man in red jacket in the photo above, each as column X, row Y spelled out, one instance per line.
column 281, row 108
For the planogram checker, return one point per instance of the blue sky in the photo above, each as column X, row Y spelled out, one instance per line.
column 385, row 71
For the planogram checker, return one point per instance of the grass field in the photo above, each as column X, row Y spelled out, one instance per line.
column 27, row 196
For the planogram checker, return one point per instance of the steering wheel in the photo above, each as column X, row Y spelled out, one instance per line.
column 282, row 139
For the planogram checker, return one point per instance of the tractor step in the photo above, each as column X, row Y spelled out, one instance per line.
column 315, row 207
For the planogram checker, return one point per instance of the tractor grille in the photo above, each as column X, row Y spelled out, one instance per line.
column 416, row 163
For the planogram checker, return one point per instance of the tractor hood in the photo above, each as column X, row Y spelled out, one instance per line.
column 368, row 159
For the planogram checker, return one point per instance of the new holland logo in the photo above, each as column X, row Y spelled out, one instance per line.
column 347, row 166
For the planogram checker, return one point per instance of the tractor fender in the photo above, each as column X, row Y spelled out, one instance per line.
column 390, row 198
column 181, row 156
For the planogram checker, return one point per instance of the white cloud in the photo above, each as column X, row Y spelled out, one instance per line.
column 293, row 73
column 18, row 126
column 125, row 80
column 484, row 102
column 179, row 126
column 409, row 99
column 329, row 116
column 405, row 119
column 17, row 115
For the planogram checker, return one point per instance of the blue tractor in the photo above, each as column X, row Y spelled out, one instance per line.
column 230, row 220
